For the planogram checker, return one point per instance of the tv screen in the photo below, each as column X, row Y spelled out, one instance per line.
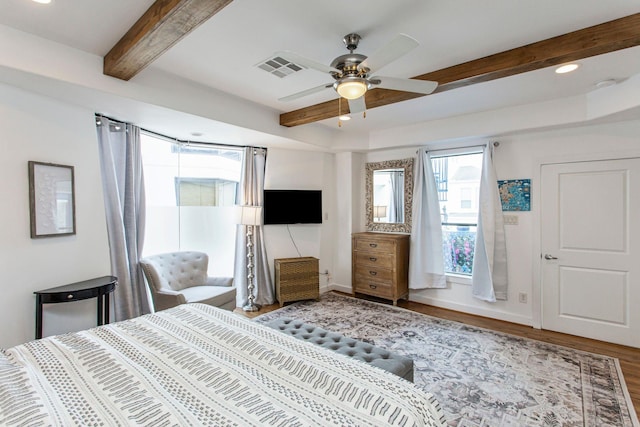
column 292, row 207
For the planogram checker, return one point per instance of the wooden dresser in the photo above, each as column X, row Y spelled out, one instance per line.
column 381, row 265
column 296, row 279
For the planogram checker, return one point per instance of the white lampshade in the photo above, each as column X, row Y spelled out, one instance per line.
column 351, row 87
column 379, row 211
column 250, row 215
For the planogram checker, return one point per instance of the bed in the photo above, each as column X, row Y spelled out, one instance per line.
column 199, row 365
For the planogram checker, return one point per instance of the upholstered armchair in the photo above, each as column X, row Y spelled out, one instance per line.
column 181, row 277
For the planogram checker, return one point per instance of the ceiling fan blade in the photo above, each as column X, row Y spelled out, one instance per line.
column 305, row 62
column 405, row 85
column 397, row 47
column 306, row 92
column 357, row 105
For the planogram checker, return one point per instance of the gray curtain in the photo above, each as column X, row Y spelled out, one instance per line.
column 396, row 202
column 123, row 187
column 251, row 193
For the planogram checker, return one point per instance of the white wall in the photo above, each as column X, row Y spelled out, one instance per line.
column 45, row 130
column 39, row 128
column 518, row 156
column 303, row 170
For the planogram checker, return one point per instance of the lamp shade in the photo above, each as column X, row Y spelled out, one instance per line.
column 250, row 215
column 351, row 87
column 379, row 211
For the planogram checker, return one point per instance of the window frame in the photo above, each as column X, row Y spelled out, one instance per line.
column 462, row 279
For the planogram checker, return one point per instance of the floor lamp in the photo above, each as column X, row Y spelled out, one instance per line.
column 250, row 216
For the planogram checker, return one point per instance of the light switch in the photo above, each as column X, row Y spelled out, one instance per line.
column 510, row 219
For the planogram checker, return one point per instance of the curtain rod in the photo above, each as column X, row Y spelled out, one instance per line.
column 495, row 144
column 181, row 141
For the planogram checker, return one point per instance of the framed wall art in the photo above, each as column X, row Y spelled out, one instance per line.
column 51, row 200
column 515, row 194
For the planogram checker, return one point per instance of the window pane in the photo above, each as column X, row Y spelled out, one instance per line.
column 458, row 247
column 458, row 183
column 190, row 196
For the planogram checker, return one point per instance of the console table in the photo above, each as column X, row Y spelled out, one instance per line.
column 93, row 288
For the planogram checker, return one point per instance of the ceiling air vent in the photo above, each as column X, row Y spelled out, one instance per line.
column 279, row 67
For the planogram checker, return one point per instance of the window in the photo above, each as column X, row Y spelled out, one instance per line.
column 458, row 182
column 465, row 198
column 190, row 196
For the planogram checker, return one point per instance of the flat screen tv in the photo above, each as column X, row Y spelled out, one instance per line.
column 292, row 207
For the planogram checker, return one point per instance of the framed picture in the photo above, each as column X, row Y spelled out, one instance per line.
column 51, row 200
column 515, row 194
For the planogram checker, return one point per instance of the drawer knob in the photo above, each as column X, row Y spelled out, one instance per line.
column 373, row 259
column 70, row 296
column 373, row 273
column 372, row 286
column 373, row 245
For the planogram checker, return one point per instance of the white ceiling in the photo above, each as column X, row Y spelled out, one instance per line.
column 223, row 52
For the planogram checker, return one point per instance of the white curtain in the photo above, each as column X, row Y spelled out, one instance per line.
column 489, row 278
column 426, row 264
column 123, row 187
column 251, row 194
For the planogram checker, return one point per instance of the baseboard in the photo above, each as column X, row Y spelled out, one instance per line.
column 340, row 288
column 324, row 288
column 477, row 311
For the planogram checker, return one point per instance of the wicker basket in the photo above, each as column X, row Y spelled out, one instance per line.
column 296, row 279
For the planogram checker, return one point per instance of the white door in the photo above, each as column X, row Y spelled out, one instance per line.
column 590, row 215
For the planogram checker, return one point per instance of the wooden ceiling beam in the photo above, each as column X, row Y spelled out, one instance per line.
column 161, row 26
column 603, row 38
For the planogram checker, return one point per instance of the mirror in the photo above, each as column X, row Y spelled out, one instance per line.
column 389, row 191
column 51, row 200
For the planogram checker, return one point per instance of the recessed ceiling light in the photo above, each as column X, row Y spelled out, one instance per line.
column 196, row 134
column 567, row 68
column 606, row 83
column 42, row 1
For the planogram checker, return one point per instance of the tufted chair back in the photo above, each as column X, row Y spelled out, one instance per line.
column 176, row 270
column 181, row 277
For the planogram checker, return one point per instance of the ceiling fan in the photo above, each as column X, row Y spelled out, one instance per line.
column 352, row 71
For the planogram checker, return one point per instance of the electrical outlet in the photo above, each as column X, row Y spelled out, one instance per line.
column 326, row 272
column 510, row 219
column 522, row 297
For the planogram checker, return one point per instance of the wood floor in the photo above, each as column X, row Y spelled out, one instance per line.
column 629, row 357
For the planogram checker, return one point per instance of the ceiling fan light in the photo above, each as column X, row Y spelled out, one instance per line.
column 344, row 117
column 352, row 88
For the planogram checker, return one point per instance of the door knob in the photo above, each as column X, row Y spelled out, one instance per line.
column 547, row 256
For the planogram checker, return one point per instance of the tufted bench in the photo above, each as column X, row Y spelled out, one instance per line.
column 376, row 356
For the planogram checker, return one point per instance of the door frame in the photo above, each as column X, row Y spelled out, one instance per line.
column 536, row 200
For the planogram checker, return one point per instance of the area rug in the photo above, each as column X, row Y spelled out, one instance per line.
column 482, row 377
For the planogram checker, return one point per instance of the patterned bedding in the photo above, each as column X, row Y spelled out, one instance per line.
column 198, row 365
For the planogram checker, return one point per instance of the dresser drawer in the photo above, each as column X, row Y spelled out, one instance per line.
column 379, row 260
column 364, row 244
column 364, row 272
column 375, row 288
column 69, row 296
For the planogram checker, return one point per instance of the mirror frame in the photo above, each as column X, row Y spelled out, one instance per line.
column 401, row 227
